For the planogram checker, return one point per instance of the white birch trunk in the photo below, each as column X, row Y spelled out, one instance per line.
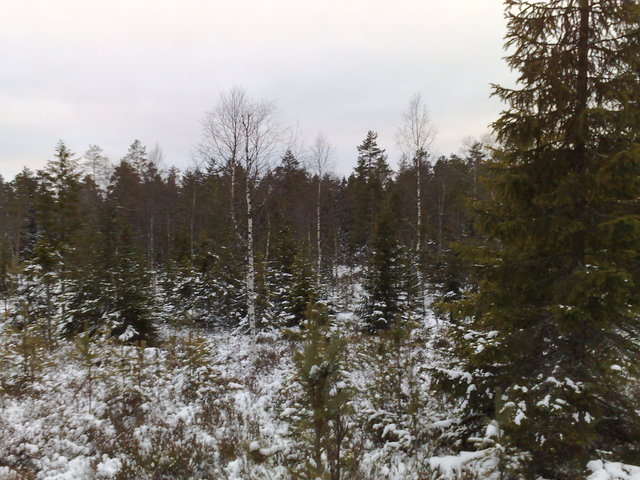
column 232, row 209
column 191, row 224
column 318, row 232
column 419, row 232
column 419, row 205
column 251, row 274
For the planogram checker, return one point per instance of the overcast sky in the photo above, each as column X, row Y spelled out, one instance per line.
column 107, row 72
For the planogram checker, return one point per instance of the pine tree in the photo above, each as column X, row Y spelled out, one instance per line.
column 124, row 207
column 86, row 301
column 38, row 290
column 321, row 426
column 455, row 190
column 553, row 333
column 210, row 289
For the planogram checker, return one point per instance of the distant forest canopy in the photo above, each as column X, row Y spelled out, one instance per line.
column 92, row 222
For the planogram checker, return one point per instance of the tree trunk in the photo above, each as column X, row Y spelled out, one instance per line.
column 580, row 129
column 318, row 232
column 268, row 242
column 251, row 274
column 441, row 215
column 423, row 297
column 150, row 247
column 419, row 203
column 191, row 223
column 232, row 209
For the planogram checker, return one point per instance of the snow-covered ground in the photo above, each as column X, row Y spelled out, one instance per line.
column 111, row 411
column 201, row 406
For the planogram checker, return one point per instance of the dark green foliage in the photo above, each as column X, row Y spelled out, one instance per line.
column 289, row 163
column 449, row 267
column 292, row 281
column 209, row 291
column 59, row 214
column 394, row 392
column 322, row 426
column 20, row 209
column 129, row 294
column 367, row 186
column 36, row 297
column 288, row 195
column 137, row 157
column 450, row 276
column 303, row 287
column 389, row 280
column 6, row 261
column 180, row 231
column 558, row 299
column 85, row 304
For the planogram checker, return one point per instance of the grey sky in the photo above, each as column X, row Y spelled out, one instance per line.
column 107, row 72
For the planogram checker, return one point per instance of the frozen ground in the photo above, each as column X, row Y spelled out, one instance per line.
column 199, row 406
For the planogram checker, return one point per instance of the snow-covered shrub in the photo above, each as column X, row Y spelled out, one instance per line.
column 321, row 415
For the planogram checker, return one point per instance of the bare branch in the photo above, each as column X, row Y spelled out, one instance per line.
column 320, row 155
column 417, row 132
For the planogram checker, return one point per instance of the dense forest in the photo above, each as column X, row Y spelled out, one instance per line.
column 471, row 316
column 80, row 228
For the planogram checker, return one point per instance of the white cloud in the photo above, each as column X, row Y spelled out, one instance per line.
column 90, row 71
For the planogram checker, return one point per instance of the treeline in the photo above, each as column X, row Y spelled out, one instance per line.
column 96, row 242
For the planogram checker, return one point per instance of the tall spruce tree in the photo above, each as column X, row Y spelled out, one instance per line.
column 389, row 281
column 553, row 338
column 367, row 184
column 58, row 200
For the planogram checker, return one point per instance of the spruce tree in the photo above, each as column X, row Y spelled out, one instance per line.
column 59, row 212
column 289, row 162
column 84, row 279
column 552, row 340
column 292, row 284
column 303, row 287
column 367, row 185
column 58, row 218
column 389, row 282
column 129, row 296
column 21, row 212
column 137, row 157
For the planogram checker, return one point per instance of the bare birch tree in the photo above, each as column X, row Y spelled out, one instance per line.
column 221, row 140
column 241, row 134
column 415, row 137
column 320, row 163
